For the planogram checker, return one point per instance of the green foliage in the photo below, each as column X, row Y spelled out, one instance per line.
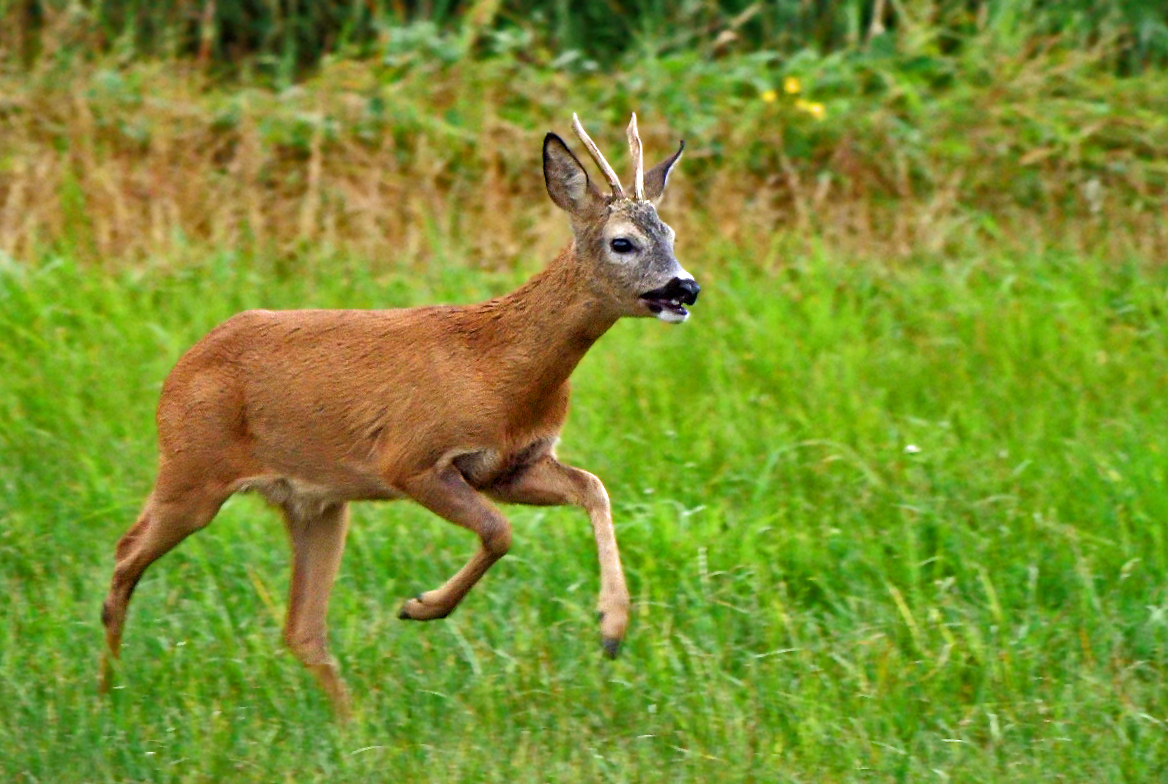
column 286, row 38
column 880, row 523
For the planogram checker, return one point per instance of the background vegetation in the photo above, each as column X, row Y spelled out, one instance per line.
column 286, row 37
column 892, row 505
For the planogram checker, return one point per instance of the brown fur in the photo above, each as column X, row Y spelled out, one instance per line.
column 446, row 405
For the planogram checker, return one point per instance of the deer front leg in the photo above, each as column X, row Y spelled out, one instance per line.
column 445, row 493
column 550, row 483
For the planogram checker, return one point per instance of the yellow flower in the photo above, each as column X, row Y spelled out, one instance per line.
column 770, row 96
column 816, row 110
column 792, row 85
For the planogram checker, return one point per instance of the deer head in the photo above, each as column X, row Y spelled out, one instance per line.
column 633, row 271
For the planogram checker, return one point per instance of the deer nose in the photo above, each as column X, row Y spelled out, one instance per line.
column 689, row 289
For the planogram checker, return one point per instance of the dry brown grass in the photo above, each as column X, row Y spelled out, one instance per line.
column 142, row 161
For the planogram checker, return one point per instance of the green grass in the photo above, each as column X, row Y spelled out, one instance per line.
column 881, row 523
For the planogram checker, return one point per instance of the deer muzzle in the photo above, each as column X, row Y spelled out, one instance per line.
column 668, row 302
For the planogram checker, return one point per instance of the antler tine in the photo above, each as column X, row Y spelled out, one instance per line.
column 638, row 160
column 609, row 174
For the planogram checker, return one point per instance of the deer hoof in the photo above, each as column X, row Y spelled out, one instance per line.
column 405, row 614
column 611, row 647
column 416, row 609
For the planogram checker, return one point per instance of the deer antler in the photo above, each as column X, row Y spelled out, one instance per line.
column 638, row 160
column 594, row 151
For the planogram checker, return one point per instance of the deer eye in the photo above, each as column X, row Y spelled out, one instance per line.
column 621, row 245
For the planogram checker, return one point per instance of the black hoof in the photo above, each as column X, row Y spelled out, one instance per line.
column 611, row 648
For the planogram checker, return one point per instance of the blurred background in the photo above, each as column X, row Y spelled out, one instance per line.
column 891, row 127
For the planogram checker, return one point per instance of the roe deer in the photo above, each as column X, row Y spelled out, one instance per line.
column 447, row 405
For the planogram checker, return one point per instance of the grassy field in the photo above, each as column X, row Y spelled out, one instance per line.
column 881, row 522
column 892, row 505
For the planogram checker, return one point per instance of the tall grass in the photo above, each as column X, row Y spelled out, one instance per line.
column 881, row 523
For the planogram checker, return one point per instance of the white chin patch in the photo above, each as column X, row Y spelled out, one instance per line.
column 673, row 317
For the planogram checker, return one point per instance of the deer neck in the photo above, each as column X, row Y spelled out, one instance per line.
column 546, row 326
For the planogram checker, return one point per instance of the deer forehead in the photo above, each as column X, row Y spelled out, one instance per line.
column 638, row 221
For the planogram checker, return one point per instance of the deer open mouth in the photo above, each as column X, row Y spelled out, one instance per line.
column 670, row 310
column 668, row 302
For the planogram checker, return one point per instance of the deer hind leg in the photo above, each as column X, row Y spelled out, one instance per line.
column 171, row 514
column 318, row 541
column 445, row 493
column 550, row 483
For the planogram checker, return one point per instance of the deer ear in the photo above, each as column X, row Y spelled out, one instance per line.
column 567, row 180
column 656, row 177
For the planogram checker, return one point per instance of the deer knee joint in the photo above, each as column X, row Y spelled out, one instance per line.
column 496, row 538
column 125, row 545
column 309, row 650
column 592, row 495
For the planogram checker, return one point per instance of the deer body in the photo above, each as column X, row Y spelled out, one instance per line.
column 349, row 401
column 450, row 406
